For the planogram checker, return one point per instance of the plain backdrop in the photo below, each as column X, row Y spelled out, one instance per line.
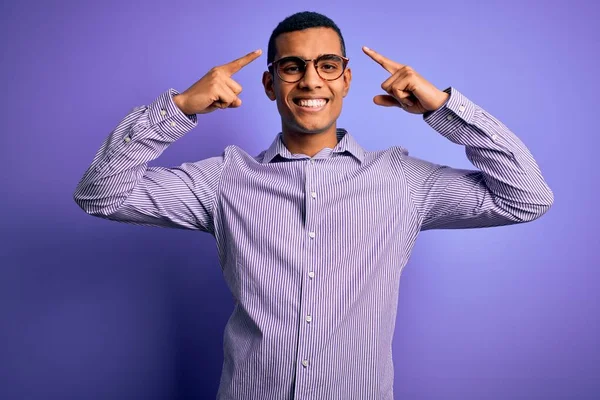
column 93, row 309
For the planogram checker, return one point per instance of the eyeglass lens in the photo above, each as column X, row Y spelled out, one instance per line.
column 329, row 67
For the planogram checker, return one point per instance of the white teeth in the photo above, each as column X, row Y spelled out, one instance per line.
column 312, row 103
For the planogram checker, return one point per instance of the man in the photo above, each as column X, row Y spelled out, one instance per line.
column 312, row 233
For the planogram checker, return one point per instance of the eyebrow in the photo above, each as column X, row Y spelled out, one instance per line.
column 305, row 58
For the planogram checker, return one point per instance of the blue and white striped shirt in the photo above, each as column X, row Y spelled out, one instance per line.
column 312, row 249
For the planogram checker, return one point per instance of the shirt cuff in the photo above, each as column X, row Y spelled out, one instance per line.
column 171, row 121
column 457, row 111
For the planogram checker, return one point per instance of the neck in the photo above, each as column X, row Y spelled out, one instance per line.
column 309, row 143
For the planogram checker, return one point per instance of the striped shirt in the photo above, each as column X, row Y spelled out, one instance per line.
column 312, row 249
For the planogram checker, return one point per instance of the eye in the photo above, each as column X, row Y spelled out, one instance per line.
column 291, row 69
column 291, row 66
column 329, row 66
column 330, row 63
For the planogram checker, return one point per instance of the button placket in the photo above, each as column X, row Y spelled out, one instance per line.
column 312, row 232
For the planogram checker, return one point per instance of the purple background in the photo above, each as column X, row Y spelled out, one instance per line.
column 92, row 309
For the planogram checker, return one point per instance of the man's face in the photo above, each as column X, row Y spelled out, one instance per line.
column 296, row 117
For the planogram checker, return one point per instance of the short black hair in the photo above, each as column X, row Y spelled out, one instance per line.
column 299, row 21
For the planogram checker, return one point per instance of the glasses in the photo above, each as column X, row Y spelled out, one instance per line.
column 291, row 69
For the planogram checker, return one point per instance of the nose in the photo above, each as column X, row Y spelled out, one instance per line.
column 311, row 79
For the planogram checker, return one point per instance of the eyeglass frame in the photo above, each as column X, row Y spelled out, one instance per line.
column 271, row 65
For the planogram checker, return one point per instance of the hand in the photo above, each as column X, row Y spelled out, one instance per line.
column 406, row 88
column 216, row 89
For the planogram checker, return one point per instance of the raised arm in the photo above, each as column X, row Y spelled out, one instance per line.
column 506, row 188
column 119, row 185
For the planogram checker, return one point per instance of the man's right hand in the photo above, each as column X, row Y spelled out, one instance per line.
column 216, row 89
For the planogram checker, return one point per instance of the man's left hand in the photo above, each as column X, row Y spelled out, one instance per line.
column 406, row 88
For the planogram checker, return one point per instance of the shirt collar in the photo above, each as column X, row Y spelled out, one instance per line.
column 346, row 143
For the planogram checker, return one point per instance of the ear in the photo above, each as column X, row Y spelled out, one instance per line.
column 347, row 80
column 267, row 81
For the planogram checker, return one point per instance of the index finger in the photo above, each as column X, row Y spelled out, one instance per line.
column 235, row 65
column 389, row 65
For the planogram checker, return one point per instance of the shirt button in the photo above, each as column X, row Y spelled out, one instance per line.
column 173, row 123
column 312, row 161
column 313, row 195
column 311, row 274
column 311, row 234
column 450, row 117
column 163, row 112
column 308, row 318
column 127, row 139
column 305, row 363
column 494, row 137
column 461, row 108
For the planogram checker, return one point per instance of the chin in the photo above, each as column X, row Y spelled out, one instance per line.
column 309, row 129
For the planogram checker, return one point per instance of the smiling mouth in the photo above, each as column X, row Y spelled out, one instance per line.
column 313, row 104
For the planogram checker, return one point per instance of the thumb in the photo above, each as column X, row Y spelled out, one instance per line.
column 236, row 103
column 386, row 100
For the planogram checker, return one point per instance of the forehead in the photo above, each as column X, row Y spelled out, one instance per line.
column 308, row 43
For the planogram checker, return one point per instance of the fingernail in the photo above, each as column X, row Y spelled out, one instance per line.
column 366, row 48
column 408, row 103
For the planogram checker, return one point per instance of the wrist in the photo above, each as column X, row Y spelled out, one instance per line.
column 178, row 99
column 444, row 99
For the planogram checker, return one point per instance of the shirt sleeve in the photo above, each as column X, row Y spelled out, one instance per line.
column 119, row 185
column 506, row 188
